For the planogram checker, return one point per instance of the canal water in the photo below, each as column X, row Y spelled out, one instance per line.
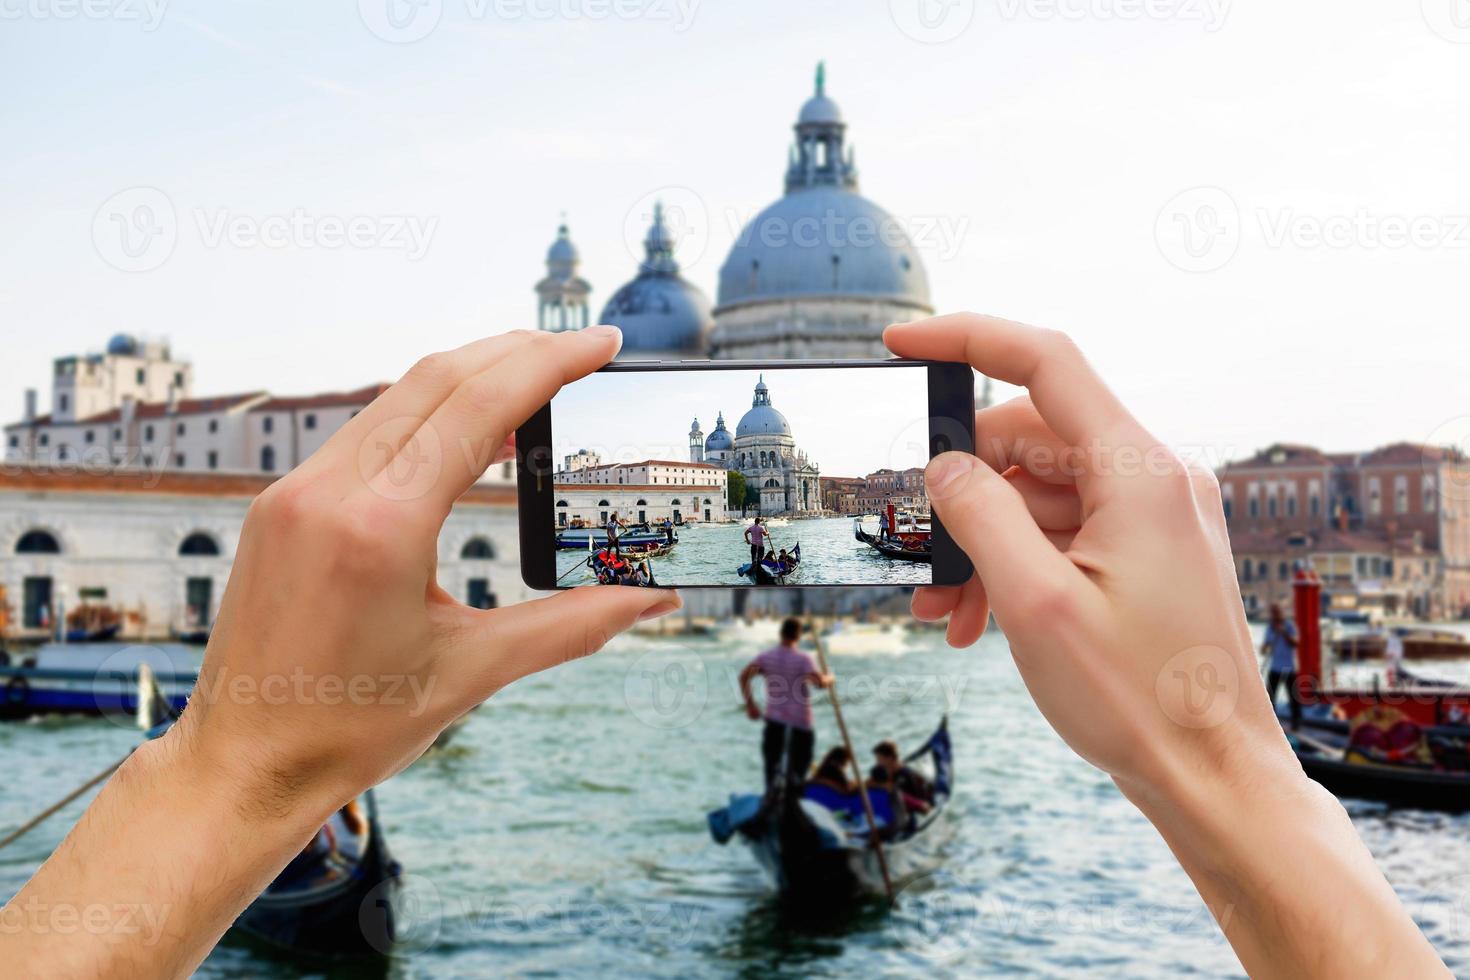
column 711, row 554
column 563, row 833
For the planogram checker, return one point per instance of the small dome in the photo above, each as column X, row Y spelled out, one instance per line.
column 660, row 310
column 562, row 250
column 762, row 419
column 819, row 110
column 122, row 343
column 719, row 440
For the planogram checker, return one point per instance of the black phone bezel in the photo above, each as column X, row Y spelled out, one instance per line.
column 951, row 427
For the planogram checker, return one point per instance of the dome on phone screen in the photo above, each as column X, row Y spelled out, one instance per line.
column 659, row 311
column 720, row 439
column 762, row 419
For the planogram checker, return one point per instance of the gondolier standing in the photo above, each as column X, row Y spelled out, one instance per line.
column 790, row 675
column 756, row 536
column 613, row 526
column 1280, row 643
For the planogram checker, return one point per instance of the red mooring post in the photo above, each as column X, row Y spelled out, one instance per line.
column 1307, row 602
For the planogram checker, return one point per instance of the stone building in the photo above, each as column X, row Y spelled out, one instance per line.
column 1389, row 530
column 764, row 452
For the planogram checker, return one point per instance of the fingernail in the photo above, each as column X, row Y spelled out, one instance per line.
column 603, row 331
column 661, row 609
column 945, row 473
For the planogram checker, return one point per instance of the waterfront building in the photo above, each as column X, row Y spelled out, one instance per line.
column 763, row 451
column 840, row 494
column 158, row 547
column 904, row 489
column 1387, row 530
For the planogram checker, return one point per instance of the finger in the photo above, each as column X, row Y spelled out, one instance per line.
column 931, row 603
column 988, row 518
column 484, row 412
column 970, row 615
column 495, row 647
column 1052, row 507
column 415, row 395
column 1070, row 396
column 1014, row 434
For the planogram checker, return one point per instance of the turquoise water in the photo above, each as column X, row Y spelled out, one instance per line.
column 710, row 554
column 563, row 834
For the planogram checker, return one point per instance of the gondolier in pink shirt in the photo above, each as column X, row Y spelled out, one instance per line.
column 790, row 678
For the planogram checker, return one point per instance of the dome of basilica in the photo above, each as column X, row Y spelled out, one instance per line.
column 762, row 419
column 659, row 310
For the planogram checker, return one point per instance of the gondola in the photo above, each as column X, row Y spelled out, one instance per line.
column 767, row 573
column 1321, row 746
column 910, row 547
column 335, row 900
column 604, row 574
column 817, row 858
column 572, row 538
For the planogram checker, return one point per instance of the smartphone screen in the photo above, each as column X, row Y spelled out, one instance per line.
column 727, row 476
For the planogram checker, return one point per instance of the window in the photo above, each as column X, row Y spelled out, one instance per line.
column 178, row 379
column 45, row 439
column 268, row 459
column 38, row 542
column 1254, row 507
column 147, row 433
column 117, row 433
column 89, row 437
column 199, row 545
column 267, row 424
column 1271, row 506
column 478, row 594
column 1283, row 571
column 179, row 460
column 212, row 459
column 1290, row 506
column 142, row 376
column 1246, row 570
column 309, row 421
column 1430, row 499
column 213, row 425
column 1261, row 570
column 1375, row 496
column 63, row 402
column 14, row 442
column 179, row 429
column 477, row 549
column 1401, row 495
column 1314, row 505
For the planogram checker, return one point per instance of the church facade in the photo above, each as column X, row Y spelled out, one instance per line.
column 764, row 452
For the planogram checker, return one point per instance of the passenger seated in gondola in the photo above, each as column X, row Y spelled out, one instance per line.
column 882, row 791
column 830, row 787
column 912, row 784
column 832, row 772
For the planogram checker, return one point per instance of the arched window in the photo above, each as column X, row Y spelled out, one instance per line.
column 38, row 543
column 268, row 459
column 561, row 503
column 603, row 503
column 199, row 545
column 477, row 549
column 675, row 502
column 642, row 503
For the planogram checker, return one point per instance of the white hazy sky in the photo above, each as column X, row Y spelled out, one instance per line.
column 850, row 421
column 1038, row 148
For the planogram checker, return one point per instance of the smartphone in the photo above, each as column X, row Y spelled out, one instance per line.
column 729, row 474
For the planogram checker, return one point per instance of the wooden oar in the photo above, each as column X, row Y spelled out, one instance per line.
column 51, row 810
column 852, row 757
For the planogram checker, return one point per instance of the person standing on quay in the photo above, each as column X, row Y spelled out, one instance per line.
column 1280, row 643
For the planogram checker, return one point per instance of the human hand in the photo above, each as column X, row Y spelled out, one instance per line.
column 333, row 598
column 1106, row 560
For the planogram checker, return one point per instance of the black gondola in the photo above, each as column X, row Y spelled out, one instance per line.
column 889, row 548
column 1321, row 748
column 768, row 571
column 815, row 858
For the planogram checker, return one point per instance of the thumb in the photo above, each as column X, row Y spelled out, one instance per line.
column 503, row 645
column 988, row 518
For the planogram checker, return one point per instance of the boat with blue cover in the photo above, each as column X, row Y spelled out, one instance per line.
column 771, row 571
column 815, row 844
column 92, row 678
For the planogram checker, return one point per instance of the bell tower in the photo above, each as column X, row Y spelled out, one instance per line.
column 562, row 296
column 696, row 443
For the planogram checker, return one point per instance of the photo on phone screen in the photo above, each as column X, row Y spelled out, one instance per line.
column 730, row 477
